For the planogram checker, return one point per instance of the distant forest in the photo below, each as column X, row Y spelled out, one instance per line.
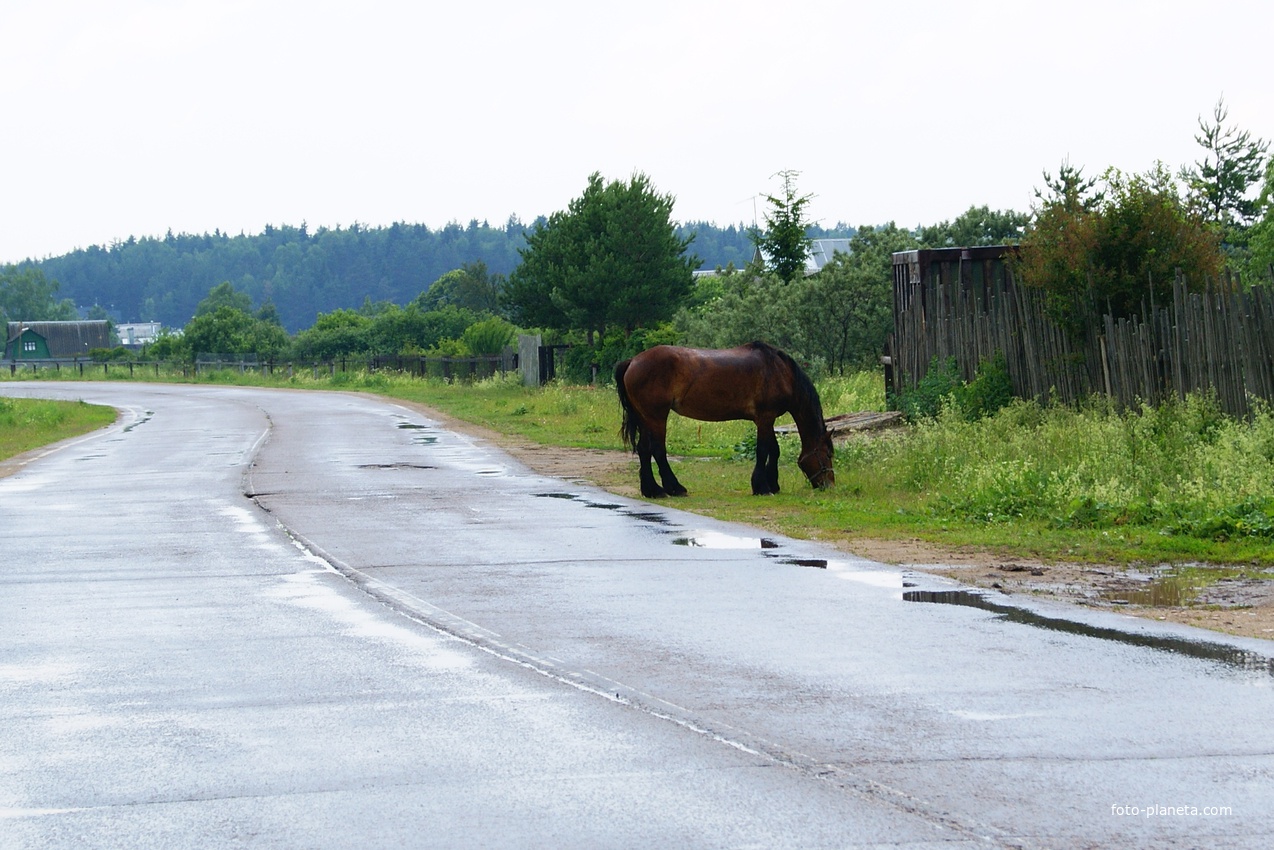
column 303, row 274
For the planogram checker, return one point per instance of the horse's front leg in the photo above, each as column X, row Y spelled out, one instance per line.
column 765, row 476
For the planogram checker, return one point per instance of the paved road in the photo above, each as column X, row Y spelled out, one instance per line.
column 298, row 619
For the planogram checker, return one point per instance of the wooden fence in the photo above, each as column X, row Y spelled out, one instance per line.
column 1220, row 340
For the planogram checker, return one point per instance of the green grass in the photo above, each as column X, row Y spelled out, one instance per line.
column 26, row 424
column 1178, row 484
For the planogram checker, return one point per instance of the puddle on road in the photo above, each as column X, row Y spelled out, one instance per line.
column 395, row 466
column 1166, row 591
column 816, row 563
column 423, row 439
column 717, row 540
column 142, row 421
column 694, row 539
column 1229, row 655
column 653, row 517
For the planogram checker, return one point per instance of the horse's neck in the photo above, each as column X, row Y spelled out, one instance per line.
column 809, row 425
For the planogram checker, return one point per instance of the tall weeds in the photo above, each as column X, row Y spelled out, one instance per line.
column 1183, row 467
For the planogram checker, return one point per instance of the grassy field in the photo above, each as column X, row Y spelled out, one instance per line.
column 27, row 424
column 1177, row 484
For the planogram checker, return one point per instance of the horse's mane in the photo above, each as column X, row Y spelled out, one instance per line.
column 805, row 395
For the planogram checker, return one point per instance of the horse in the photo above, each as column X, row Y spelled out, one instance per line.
column 755, row 381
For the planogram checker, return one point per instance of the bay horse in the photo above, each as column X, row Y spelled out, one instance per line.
column 754, row 381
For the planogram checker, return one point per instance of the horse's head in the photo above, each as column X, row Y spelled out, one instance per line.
column 816, row 462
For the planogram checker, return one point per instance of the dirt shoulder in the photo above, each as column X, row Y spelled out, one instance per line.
column 1239, row 606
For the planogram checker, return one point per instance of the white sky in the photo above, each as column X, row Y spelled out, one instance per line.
column 137, row 116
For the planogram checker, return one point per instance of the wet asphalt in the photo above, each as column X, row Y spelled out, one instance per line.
column 263, row 618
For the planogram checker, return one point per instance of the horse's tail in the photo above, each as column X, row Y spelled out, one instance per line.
column 628, row 426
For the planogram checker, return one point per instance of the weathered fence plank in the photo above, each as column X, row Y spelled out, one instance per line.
column 1219, row 340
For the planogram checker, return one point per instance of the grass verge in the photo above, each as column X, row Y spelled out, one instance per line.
column 27, row 424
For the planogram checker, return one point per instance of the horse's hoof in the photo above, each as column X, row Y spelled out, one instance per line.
column 654, row 494
column 680, row 491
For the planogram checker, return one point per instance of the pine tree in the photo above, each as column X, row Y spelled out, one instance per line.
column 784, row 244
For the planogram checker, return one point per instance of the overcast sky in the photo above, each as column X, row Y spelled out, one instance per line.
column 135, row 117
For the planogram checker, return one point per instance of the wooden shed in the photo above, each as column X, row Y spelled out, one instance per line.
column 55, row 340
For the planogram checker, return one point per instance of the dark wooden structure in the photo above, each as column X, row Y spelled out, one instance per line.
column 964, row 303
column 55, row 340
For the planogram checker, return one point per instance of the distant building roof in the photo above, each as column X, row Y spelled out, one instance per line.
column 820, row 253
column 64, row 339
column 137, row 333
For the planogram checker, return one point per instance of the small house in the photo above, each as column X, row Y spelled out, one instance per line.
column 137, row 334
column 55, row 340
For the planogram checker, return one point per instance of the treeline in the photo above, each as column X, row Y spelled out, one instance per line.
column 303, row 274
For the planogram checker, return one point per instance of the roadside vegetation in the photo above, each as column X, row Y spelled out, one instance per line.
column 27, row 424
column 1180, row 483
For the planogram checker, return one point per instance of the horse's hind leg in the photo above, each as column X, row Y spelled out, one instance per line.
column 649, row 487
column 659, row 451
column 671, row 485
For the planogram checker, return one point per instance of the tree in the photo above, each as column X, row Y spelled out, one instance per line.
column 488, row 336
column 269, row 313
column 1117, row 248
column 1055, row 253
column 1070, row 191
column 975, row 227
column 224, row 295
column 229, row 330
column 846, row 311
column 471, row 287
column 612, row 258
column 785, row 244
column 743, row 306
column 409, row 330
column 26, row 295
column 339, row 333
column 1261, row 235
column 1222, row 182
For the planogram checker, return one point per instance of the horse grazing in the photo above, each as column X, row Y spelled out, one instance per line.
column 754, row 381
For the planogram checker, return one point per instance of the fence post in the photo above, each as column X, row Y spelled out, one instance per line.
column 529, row 359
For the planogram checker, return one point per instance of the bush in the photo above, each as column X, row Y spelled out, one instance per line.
column 926, row 398
column 488, row 336
column 988, row 392
column 105, row 355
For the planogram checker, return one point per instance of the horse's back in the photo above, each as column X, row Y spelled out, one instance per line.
column 704, row 384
